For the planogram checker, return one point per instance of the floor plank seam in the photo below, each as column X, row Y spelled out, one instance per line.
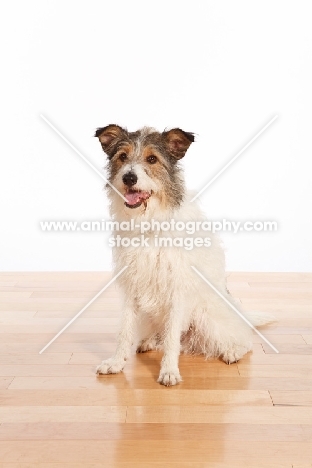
column 290, row 404
column 261, row 344
column 10, row 383
column 271, row 398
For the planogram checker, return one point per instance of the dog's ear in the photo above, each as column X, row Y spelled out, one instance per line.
column 177, row 142
column 109, row 136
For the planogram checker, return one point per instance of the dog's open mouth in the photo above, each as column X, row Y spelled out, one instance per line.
column 135, row 198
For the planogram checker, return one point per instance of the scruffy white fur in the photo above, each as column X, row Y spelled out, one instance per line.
column 166, row 304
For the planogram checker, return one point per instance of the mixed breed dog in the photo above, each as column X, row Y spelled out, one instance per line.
column 166, row 305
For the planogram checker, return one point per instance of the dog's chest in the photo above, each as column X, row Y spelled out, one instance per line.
column 151, row 277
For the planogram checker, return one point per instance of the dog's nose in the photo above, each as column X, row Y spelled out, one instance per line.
column 130, row 179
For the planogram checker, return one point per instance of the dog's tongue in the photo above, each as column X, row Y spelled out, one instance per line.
column 135, row 197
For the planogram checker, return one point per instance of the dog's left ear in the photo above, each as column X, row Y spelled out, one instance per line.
column 177, row 142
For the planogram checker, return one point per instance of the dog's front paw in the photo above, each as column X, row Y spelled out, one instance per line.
column 169, row 378
column 110, row 366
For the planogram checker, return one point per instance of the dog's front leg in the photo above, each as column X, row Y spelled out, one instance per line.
column 169, row 370
column 117, row 362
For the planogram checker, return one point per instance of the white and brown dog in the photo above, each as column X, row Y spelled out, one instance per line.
column 166, row 304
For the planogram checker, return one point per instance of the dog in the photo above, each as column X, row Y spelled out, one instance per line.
column 167, row 305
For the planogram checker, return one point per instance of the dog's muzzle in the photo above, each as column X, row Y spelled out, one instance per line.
column 134, row 197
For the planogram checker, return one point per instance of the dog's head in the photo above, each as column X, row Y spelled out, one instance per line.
column 143, row 165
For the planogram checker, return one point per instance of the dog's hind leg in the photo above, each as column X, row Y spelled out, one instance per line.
column 220, row 332
column 149, row 344
column 147, row 337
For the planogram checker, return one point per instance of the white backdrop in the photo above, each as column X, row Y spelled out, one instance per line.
column 219, row 69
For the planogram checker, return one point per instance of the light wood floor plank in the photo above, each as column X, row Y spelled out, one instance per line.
column 295, row 397
column 132, row 396
column 238, row 285
column 128, row 380
column 169, row 431
column 5, row 284
column 274, row 370
column 134, row 452
column 278, row 339
column 46, row 370
column 66, row 337
column 55, row 325
column 27, row 414
column 13, row 296
column 101, row 349
column 268, row 277
column 220, row 414
column 269, row 286
column 47, row 276
column 120, row 464
column 278, row 294
column 13, row 314
column 71, row 305
column 73, row 295
column 287, row 330
column 108, row 311
column 35, row 358
column 301, row 465
column 275, row 306
column 289, row 348
column 281, row 359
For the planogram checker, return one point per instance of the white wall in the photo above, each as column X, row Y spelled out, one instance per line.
column 220, row 69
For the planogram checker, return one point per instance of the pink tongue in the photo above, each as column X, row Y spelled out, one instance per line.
column 133, row 198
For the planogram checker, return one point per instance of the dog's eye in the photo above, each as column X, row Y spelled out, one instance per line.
column 123, row 157
column 151, row 159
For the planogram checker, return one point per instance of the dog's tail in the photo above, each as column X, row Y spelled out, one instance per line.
column 259, row 319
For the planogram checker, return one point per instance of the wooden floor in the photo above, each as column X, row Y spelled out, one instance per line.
column 55, row 412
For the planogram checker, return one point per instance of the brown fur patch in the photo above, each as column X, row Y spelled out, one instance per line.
column 151, row 150
column 116, row 164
